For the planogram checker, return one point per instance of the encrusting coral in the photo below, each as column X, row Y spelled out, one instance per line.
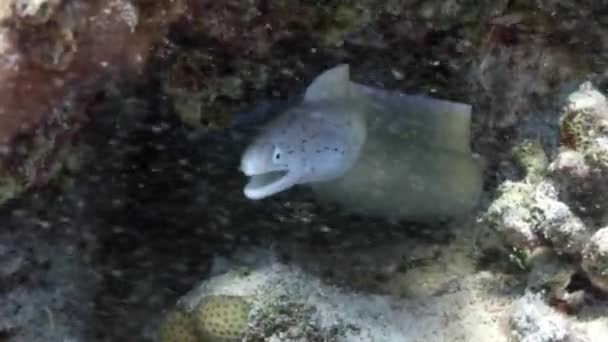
column 562, row 205
column 177, row 326
column 216, row 318
column 595, row 258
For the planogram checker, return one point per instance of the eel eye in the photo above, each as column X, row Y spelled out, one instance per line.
column 276, row 155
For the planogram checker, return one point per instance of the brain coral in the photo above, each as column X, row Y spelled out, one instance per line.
column 222, row 317
column 177, row 327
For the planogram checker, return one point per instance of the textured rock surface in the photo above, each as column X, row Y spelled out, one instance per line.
column 560, row 207
column 56, row 56
column 595, row 258
column 158, row 194
column 290, row 305
column 510, row 215
column 46, row 292
column 533, row 321
column 582, row 166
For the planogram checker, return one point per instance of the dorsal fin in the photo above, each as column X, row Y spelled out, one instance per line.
column 439, row 122
column 331, row 84
column 449, row 122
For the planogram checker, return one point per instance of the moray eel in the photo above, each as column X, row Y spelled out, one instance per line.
column 374, row 151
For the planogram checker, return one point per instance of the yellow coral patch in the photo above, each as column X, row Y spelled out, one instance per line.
column 222, row 317
column 177, row 327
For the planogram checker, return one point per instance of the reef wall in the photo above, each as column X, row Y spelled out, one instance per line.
column 137, row 103
column 56, row 56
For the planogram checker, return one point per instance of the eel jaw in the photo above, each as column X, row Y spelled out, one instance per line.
column 266, row 184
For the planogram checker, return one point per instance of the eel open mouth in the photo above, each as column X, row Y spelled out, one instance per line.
column 267, row 184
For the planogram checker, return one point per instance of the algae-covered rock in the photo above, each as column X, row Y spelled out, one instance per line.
column 504, row 57
column 531, row 320
column 595, row 258
column 10, row 187
column 34, row 11
column 525, row 214
column 211, row 106
column 584, row 117
column 345, row 18
column 560, row 202
column 548, row 271
column 531, row 157
column 510, row 214
column 204, row 95
column 568, row 167
column 57, row 55
column 286, row 304
column 556, row 222
column 581, row 166
column 597, row 154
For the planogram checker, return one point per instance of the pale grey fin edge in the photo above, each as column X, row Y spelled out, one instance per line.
column 452, row 118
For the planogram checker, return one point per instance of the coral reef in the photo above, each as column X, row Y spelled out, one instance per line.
column 595, row 258
column 224, row 57
column 536, row 211
column 56, row 55
column 581, row 167
column 548, row 271
column 286, row 304
column 157, row 201
column 213, row 318
column 533, row 321
column 509, row 215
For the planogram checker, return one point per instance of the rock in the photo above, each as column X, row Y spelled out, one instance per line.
column 531, row 157
column 556, row 222
column 584, row 117
column 581, row 167
column 548, row 271
column 595, row 259
column 531, row 320
column 45, row 291
column 280, row 302
column 569, row 169
column 510, row 216
column 525, row 214
column 35, row 11
column 222, row 318
column 509, row 59
column 56, row 55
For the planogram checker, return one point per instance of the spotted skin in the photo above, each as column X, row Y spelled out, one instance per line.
column 309, row 143
column 374, row 151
